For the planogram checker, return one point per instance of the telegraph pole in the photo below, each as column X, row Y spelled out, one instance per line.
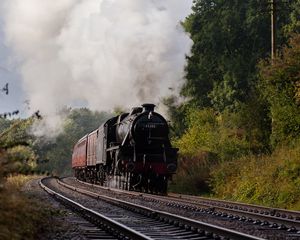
column 273, row 29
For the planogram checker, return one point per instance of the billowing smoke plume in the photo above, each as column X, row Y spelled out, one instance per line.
column 97, row 53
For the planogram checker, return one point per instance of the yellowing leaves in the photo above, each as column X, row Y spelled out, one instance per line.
column 209, row 132
column 271, row 180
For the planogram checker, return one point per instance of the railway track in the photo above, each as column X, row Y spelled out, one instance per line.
column 286, row 223
column 125, row 220
column 96, row 226
column 275, row 217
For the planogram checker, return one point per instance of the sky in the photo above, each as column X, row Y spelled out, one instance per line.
column 15, row 100
column 100, row 54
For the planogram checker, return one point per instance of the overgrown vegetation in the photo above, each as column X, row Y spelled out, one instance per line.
column 55, row 154
column 239, row 135
column 272, row 180
column 280, row 85
column 22, row 153
column 29, row 154
column 19, row 214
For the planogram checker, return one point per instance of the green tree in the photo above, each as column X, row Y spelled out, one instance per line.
column 230, row 37
column 280, row 84
column 17, row 133
column 55, row 154
column 294, row 25
column 4, row 124
column 177, row 112
column 15, row 138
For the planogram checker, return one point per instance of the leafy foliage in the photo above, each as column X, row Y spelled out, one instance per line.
column 281, row 87
column 23, row 157
column 16, row 154
column 193, row 173
column 18, row 133
column 229, row 39
column 209, row 139
column 272, row 180
column 4, row 124
column 294, row 25
column 5, row 168
column 177, row 112
column 21, row 217
column 222, row 134
column 26, row 153
column 55, row 155
column 235, row 108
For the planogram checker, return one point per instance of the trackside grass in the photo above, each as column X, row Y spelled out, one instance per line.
column 21, row 217
column 271, row 180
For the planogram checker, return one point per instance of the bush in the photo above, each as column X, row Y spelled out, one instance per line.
column 280, row 84
column 193, row 173
column 211, row 132
column 23, row 158
column 210, row 138
column 272, row 180
column 21, row 217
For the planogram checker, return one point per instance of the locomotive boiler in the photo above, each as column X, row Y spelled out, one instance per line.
column 131, row 151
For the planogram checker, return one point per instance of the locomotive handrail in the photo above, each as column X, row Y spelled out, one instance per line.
column 112, row 148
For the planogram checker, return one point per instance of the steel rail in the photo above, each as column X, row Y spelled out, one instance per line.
column 295, row 214
column 272, row 215
column 107, row 222
column 235, row 210
column 168, row 217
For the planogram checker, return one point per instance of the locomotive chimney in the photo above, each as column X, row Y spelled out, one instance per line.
column 148, row 107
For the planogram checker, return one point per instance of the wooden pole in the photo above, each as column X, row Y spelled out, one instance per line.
column 273, row 29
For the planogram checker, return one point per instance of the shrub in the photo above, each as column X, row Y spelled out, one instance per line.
column 21, row 217
column 210, row 138
column 271, row 180
column 211, row 132
column 193, row 173
column 280, row 84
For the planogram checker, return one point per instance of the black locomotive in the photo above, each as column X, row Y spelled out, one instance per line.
column 131, row 151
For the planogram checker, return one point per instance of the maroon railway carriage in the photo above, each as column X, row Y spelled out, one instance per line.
column 79, row 156
column 131, row 151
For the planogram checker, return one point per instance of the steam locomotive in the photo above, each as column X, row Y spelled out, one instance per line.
column 131, row 151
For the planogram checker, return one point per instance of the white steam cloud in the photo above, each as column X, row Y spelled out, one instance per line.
column 98, row 53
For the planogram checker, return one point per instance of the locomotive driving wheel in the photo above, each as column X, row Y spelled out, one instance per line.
column 101, row 175
column 164, row 185
column 160, row 184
